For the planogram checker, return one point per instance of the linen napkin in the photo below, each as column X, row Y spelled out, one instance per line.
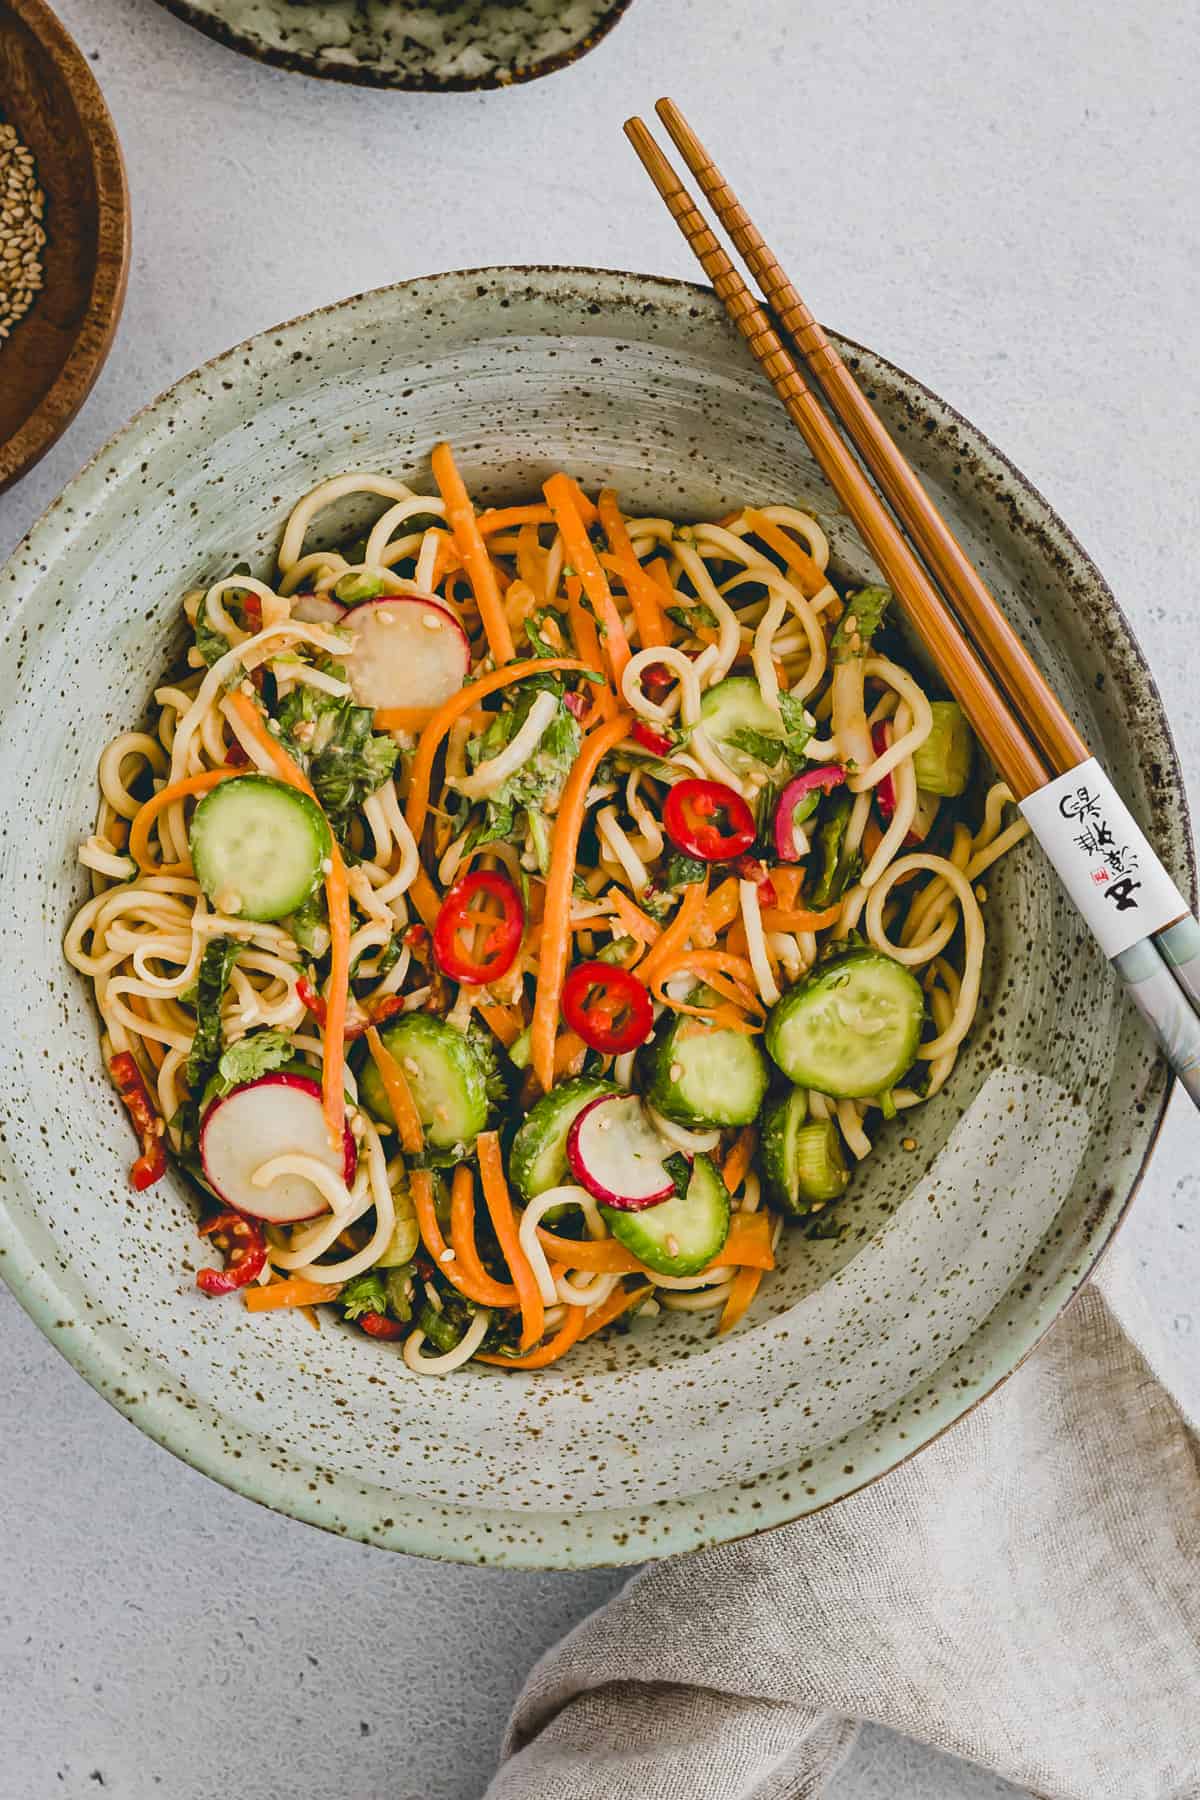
column 1025, row 1593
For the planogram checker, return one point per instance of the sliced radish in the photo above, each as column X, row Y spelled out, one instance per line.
column 616, row 1153
column 317, row 609
column 277, row 1115
column 408, row 651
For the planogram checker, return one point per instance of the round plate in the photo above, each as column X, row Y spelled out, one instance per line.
column 48, row 364
column 416, row 44
column 858, row 1350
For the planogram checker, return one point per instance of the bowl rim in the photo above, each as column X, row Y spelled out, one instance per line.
column 58, row 406
column 618, row 1537
column 325, row 68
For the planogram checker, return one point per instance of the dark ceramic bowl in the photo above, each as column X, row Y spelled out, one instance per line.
column 857, row 1352
column 417, row 44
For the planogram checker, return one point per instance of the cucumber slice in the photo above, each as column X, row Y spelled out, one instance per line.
column 849, row 1029
column 447, row 1078
column 538, row 1159
column 782, row 1122
column 942, row 764
column 820, row 1165
column 736, row 704
column 698, row 1076
column 682, row 1235
column 257, row 847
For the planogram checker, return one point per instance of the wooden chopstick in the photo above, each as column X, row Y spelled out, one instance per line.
column 978, row 610
column 1001, row 734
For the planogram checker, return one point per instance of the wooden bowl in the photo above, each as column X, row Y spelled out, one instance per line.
column 48, row 364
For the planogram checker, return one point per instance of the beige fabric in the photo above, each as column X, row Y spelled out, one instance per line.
column 1025, row 1593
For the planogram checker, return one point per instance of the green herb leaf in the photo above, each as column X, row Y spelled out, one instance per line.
column 682, row 871
column 864, row 611
column 688, row 617
column 679, row 1169
column 250, row 1057
column 334, row 742
column 309, row 924
column 365, row 1293
column 216, row 966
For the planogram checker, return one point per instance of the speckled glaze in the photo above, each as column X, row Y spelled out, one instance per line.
column 415, row 44
column 858, row 1351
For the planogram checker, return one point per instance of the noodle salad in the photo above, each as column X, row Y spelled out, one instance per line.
column 507, row 922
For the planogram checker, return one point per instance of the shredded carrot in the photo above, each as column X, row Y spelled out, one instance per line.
column 721, row 908
column 556, row 924
column 587, row 643
column 337, row 895
column 787, row 879
column 399, row 1094
column 446, row 560
column 644, row 594
column 139, row 833
column 637, row 923
column 420, row 1187
column 737, row 1163
column 582, row 558
column 800, row 919
column 505, row 1021
column 583, row 506
column 504, row 1224
column 714, row 964
column 742, row 1290
column 519, row 602
column 809, row 578
column 674, row 937
column 568, row 1333
column 481, row 573
column 462, row 1241
column 619, row 1301
column 530, row 556
column 748, row 1243
column 503, row 518
column 296, row 1292
column 570, row 1053
column 872, row 837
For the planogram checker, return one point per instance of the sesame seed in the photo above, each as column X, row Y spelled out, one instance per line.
column 22, row 205
column 431, row 622
column 447, row 1256
column 671, row 1244
column 676, row 1071
column 411, row 1065
column 908, row 1143
column 851, row 624
column 981, row 894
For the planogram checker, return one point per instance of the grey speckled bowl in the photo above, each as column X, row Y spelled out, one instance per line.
column 415, row 44
column 857, row 1352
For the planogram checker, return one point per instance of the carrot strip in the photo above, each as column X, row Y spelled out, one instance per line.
column 568, row 1333
column 720, row 909
column 583, row 506
column 675, row 936
column 502, row 518
column 737, row 1163
column 748, row 1245
column 644, row 594
column 742, row 1290
column 530, row 557
column 296, row 1292
column 587, row 643
column 787, row 879
column 637, row 923
column 801, row 919
column 504, row 1224
column 618, row 1302
column 420, row 1187
column 556, row 923
column 809, row 578
column 582, row 558
column 713, row 962
column 337, row 894
column 570, row 1053
column 872, row 837
column 399, row 1094
column 481, row 573
column 462, row 1240
column 505, row 1021
column 139, row 831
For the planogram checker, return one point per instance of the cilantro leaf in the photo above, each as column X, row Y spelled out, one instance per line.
column 682, row 871
column 365, row 1293
column 251, row 1057
column 216, row 966
column 688, row 617
column 859, row 623
column 309, row 924
column 334, row 742
column 679, row 1169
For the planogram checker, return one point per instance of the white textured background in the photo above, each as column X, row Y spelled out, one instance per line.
column 1003, row 200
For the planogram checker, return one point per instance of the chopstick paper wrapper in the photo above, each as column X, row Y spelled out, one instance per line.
column 1126, row 897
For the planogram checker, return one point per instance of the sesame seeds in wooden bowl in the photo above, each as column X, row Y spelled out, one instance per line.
column 64, row 232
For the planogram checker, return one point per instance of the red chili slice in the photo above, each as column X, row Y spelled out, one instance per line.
column 708, row 820
column 658, row 680
column 375, row 1011
column 151, row 1165
column 241, row 1243
column 885, row 790
column 378, row 1325
column 610, row 1009
column 474, row 947
column 750, row 869
column 656, row 742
